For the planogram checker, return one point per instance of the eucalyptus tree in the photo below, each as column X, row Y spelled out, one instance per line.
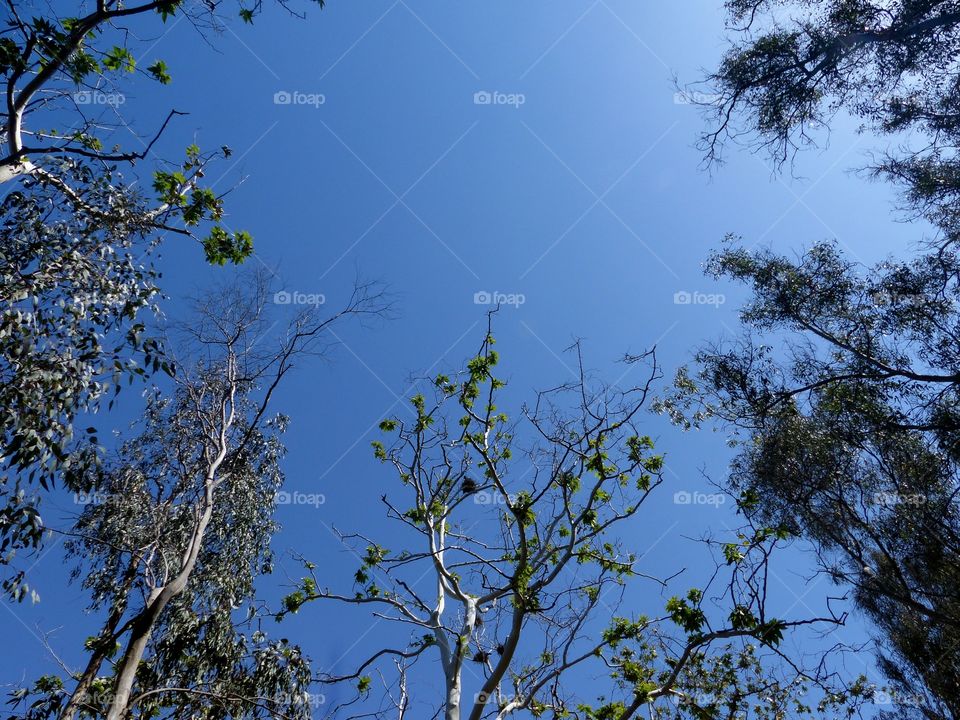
column 842, row 390
column 793, row 66
column 64, row 71
column 842, row 397
column 179, row 528
column 80, row 217
column 75, row 294
column 503, row 594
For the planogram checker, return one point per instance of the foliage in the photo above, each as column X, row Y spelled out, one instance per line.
column 79, row 66
column 520, row 542
column 179, row 529
column 847, row 424
column 792, row 67
column 72, row 294
column 74, row 276
column 849, row 432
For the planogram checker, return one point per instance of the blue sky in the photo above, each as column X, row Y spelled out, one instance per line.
column 531, row 149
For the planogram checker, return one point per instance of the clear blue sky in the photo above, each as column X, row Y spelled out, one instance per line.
column 578, row 187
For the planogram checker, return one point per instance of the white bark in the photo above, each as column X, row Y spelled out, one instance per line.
column 160, row 597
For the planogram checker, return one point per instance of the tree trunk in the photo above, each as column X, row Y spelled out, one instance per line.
column 96, row 659
column 143, row 626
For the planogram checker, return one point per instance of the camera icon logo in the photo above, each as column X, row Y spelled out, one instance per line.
column 682, row 298
column 482, row 298
column 482, row 97
column 282, row 298
column 282, row 97
column 682, row 497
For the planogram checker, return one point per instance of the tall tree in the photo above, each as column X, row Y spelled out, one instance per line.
column 74, row 291
column 179, row 528
column 79, row 219
column 843, row 389
column 792, row 66
column 77, row 288
column 504, row 597
column 843, row 399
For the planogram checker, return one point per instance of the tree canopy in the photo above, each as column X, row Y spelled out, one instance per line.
column 527, row 563
column 847, row 430
column 511, row 583
column 80, row 223
column 792, row 67
column 841, row 392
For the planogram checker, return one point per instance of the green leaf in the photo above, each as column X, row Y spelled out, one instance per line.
column 159, row 72
column 119, row 58
column 220, row 247
column 167, row 8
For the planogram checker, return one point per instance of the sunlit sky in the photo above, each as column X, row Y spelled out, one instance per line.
column 453, row 151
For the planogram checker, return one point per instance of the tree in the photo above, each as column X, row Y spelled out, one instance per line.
column 73, row 293
column 179, row 528
column 845, row 404
column 793, row 66
column 846, row 417
column 66, row 71
column 514, row 568
column 75, row 271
